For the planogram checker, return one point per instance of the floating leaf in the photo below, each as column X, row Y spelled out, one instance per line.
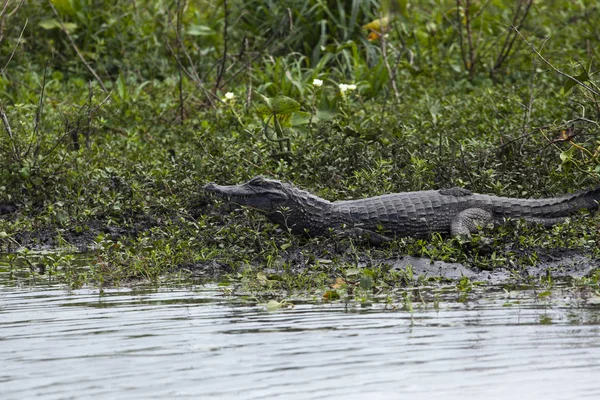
column 366, row 282
column 273, row 305
column 331, row 295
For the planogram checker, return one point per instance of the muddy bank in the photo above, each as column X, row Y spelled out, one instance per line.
column 567, row 266
column 560, row 265
column 330, row 256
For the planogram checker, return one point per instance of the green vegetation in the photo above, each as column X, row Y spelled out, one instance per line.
column 114, row 116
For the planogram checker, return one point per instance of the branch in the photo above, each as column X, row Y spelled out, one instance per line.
column 224, row 60
column 3, row 15
column 509, row 40
column 179, row 44
column 9, row 132
column 88, row 66
column 591, row 89
column 392, row 73
column 15, row 49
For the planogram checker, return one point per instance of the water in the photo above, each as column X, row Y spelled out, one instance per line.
column 198, row 343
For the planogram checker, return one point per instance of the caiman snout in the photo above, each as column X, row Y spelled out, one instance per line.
column 210, row 187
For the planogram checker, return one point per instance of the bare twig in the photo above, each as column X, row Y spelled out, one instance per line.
column 472, row 50
column 249, row 66
column 529, row 106
column 211, row 97
column 191, row 73
column 391, row 73
column 15, row 154
column 38, row 115
column 224, row 59
column 468, row 59
column 88, row 130
column 40, row 108
column 3, row 16
column 81, row 57
column 587, row 87
column 179, row 44
column 511, row 35
column 15, row 49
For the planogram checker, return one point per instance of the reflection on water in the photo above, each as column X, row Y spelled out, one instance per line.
column 196, row 343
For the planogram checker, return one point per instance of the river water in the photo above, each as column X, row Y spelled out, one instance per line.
column 198, row 342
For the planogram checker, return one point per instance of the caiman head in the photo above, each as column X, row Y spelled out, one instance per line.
column 283, row 204
column 266, row 195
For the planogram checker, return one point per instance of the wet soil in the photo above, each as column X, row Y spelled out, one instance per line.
column 556, row 263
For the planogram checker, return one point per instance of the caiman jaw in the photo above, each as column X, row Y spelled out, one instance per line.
column 256, row 193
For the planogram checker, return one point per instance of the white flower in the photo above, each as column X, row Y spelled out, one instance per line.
column 229, row 96
column 345, row 87
column 317, row 82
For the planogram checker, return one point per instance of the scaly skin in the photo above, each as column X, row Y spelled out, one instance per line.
column 456, row 211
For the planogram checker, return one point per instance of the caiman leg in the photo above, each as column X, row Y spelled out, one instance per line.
column 374, row 238
column 467, row 221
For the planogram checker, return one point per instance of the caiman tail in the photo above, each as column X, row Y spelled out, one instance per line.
column 550, row 209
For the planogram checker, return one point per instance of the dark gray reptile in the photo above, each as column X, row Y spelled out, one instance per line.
column 456, row 211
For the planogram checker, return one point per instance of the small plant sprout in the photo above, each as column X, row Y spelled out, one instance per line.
column 229, row 100
column 317, row 83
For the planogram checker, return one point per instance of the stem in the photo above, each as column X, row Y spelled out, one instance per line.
column 179, row 65
column 10, row 133
column 81, row 57
column 224, row 59
column 591, row 89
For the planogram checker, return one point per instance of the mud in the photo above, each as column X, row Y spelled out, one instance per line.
column 80, row 238
column 558, row 264
column 568, row 266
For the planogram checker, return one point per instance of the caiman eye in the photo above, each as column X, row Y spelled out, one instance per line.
column 257, row 180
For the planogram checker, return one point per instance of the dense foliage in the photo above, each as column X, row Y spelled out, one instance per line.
column 116, row 113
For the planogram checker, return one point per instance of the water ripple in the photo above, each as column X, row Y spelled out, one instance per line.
column 195, row 343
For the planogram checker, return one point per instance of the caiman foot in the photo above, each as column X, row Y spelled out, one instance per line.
column 468, row 221
column 373, row 238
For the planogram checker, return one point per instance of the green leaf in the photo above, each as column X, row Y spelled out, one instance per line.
column 64, row 6
column 300, row 118
column 52, row 23
column 366, row 282
column 48, row 24
column 284, row 105
column 122, row 88
column 199, row 30
column 582, row 77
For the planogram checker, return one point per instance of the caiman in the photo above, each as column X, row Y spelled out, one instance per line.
column 456, row 211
